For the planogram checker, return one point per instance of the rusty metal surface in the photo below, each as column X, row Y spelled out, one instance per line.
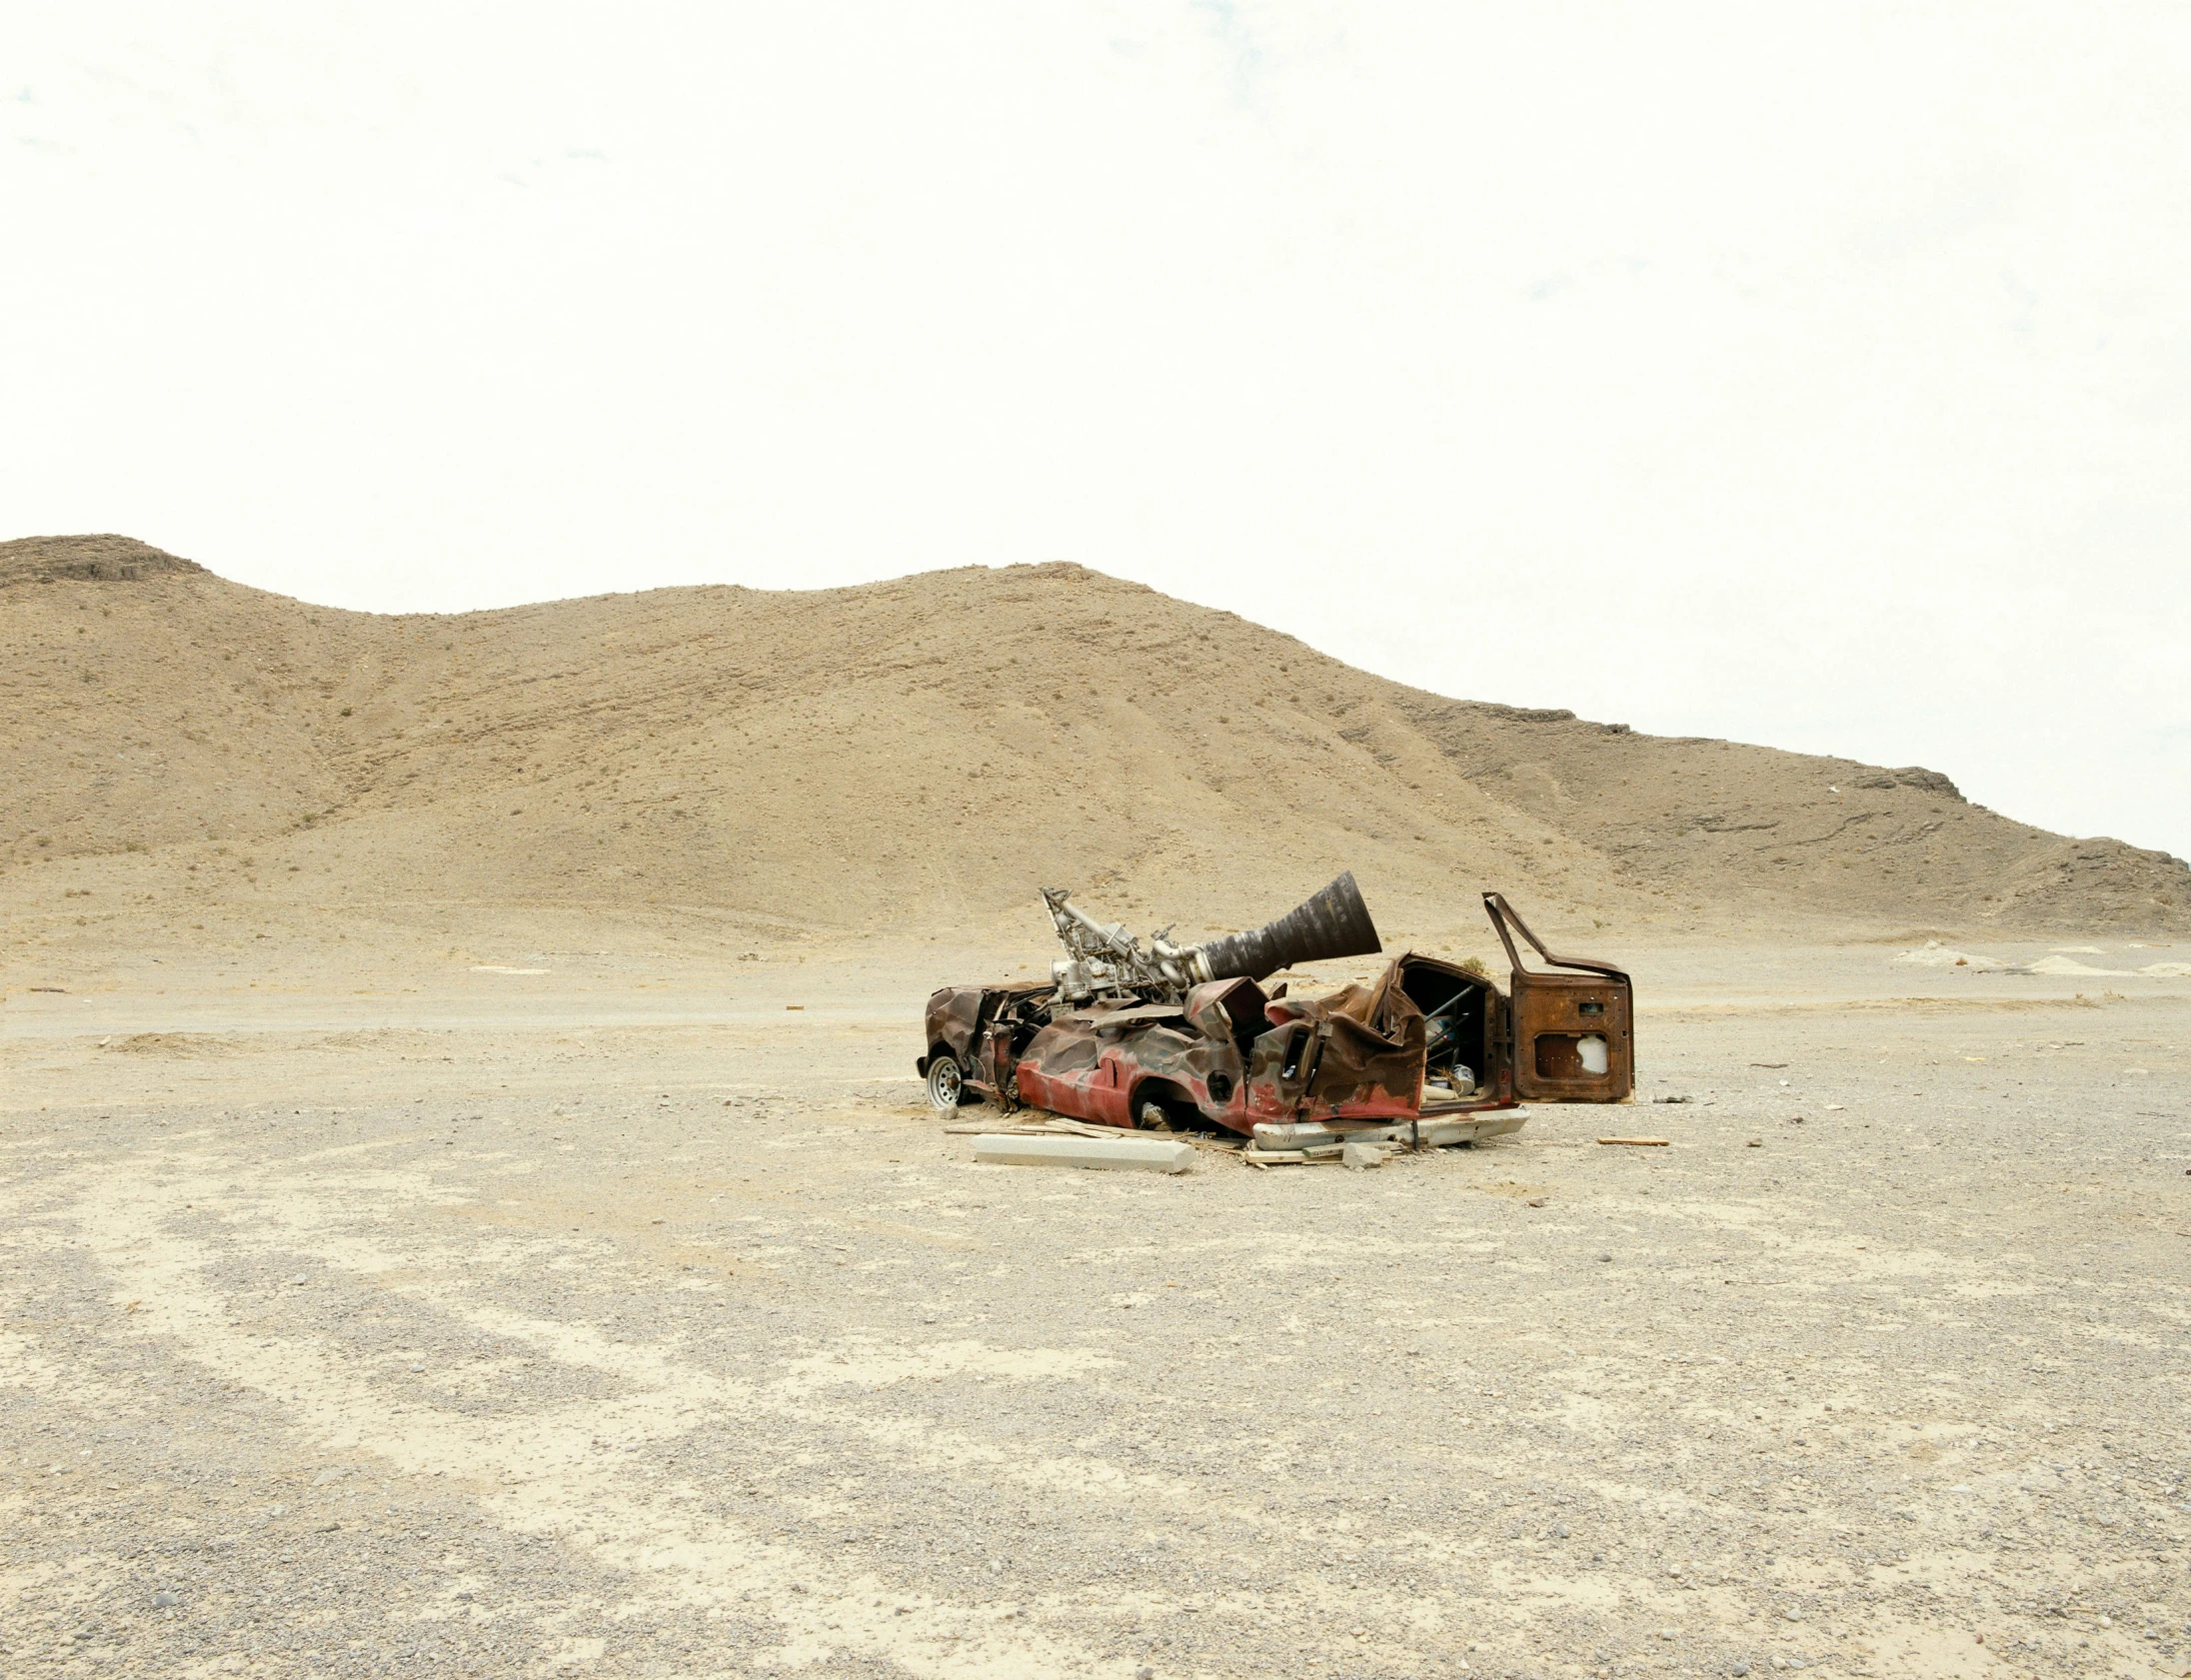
column 1574, row 1034
column 953, row 1013
column 985, row 1028
column 1479, row 1032
column 1358, row 1050
column 1234, row 1056
column 1234, row 1010
column 1138, row 1015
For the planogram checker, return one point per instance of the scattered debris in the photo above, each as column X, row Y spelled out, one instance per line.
column 1640, row 1143
column 1038, row 1127
column 1437, row 1133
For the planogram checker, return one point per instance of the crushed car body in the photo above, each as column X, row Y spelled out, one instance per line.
column 1162, row 1036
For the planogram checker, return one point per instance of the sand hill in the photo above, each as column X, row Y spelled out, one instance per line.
column 915, row 755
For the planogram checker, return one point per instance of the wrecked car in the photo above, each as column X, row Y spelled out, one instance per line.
column 1168, row 1037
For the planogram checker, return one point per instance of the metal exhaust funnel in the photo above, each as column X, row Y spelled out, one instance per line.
column 1334, row 923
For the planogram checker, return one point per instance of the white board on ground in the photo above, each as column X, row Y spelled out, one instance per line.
column 1133, row 1154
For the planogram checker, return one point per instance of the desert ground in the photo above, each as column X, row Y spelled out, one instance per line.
column 467, row 1208
column 602, row 1313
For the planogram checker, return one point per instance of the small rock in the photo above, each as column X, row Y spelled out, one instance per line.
column 1603, row 1258
column 166, row 1601
column 1536, row 1201
column 1740, row 1669
column 1559, row 1531
column 1361, row 1157
column 1793, row 1615
column 299, row 1281
column 1145, row 1672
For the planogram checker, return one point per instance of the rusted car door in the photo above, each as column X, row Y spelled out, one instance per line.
column 1072, row 1069
column 1570, row 1035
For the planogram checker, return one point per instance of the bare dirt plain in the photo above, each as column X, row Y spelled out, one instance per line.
column 418, row 1258
column 618, row 1320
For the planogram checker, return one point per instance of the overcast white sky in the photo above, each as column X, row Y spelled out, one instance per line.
column 1816, row 376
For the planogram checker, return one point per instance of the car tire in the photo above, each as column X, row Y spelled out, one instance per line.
column 946, row 1082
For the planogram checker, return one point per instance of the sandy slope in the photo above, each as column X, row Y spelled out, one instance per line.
column 200, row 758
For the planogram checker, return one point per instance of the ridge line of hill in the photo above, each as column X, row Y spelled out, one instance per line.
column 920, row 753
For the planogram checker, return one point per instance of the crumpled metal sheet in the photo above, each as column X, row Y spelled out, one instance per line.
column 1241, row 1057
column 1366, row 1053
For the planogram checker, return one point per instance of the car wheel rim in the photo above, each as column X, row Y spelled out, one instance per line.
column 944, row 1083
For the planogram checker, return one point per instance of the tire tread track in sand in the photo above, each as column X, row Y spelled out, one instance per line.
column 280, row 1213
column 556, row 1486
